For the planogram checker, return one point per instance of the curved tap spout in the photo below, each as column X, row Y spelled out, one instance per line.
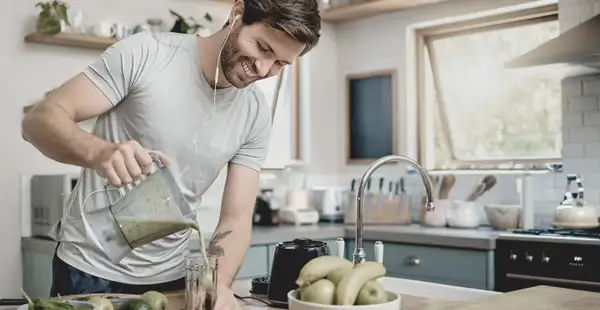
column 359, row 253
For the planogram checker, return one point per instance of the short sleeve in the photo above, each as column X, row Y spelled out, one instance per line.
column 253, row 152
column 121, row 67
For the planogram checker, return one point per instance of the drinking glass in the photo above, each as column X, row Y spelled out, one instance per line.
column 200, row 282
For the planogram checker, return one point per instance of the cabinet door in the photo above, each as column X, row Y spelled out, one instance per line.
column 37, row 273
column 255, row 263
column 462, row 267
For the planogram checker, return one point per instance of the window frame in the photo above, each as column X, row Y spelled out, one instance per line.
column 294, row 112
column 423, row 37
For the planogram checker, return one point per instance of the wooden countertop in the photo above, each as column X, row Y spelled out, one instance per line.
column 242, row 288
column 534, row 298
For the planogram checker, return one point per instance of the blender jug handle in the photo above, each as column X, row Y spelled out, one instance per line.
column 157, row 160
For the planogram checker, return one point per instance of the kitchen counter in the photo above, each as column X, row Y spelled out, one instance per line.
column 478, row 239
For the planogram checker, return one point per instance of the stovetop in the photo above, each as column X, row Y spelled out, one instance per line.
column 562, row 235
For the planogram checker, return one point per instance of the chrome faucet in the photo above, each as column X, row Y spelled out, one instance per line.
column 359, row 253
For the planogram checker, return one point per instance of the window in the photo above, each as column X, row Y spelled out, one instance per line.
column 283, row 145
column 475, row 113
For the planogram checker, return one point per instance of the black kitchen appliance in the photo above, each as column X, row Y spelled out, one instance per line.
column 568, row 258
column 264, row 215
column 288, row 260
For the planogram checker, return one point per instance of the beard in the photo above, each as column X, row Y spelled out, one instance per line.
column 231, row 58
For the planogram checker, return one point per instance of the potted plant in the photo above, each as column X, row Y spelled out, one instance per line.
column 191, row 26
column 52, row 14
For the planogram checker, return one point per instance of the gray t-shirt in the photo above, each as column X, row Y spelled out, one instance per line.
column 160, row 97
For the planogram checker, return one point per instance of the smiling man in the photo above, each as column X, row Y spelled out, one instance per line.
column 163, row 92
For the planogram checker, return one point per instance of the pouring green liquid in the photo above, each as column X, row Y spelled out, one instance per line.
column 140, row 231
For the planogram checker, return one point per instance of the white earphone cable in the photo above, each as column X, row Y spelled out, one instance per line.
column 214, row 97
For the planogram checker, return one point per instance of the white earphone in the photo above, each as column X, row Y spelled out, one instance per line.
column 217, row 71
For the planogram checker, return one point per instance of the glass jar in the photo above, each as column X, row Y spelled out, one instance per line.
column 294, row 175
column 200, row 282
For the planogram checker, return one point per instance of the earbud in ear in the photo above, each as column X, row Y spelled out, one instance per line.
column 235, row 19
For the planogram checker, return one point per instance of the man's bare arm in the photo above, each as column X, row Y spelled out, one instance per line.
column 51, row 126
column 232, row 235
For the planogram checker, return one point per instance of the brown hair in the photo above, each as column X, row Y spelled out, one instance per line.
column 300, row 19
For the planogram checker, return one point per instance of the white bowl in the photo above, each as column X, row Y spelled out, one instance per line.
column 503, row 217
column 394, row 303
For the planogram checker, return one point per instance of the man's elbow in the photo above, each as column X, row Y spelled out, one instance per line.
column 26, row 125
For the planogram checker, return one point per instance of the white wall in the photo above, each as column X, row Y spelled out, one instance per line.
column 29, row 70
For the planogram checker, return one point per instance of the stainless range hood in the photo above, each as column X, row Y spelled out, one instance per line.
column 574, row 52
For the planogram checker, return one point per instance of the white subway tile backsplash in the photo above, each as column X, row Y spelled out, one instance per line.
column 592, row 149
column 572, row 88
column 551, row 195
column 572, row 119
column 591, row 87
column 591, row 181
column 582, row 104
column 583, row 134
column 573, row 149
column 581, row 165
column 591, row 118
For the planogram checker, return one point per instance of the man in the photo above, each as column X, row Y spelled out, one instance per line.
column 154, row 92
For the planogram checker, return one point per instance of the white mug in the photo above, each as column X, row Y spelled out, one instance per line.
column 104, row 29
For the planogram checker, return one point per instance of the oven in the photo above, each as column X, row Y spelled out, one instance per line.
column 523, row 261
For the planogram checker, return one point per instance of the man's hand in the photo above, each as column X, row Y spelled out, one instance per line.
column 123, row 163
column 225, row 299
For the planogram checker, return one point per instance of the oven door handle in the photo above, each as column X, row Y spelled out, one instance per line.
column 555, row 280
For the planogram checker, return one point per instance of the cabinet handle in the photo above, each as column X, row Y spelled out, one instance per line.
column 413, row 261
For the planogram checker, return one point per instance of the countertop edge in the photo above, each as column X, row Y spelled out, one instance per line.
column 264, row 236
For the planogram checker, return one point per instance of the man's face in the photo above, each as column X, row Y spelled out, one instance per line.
column 255, row 52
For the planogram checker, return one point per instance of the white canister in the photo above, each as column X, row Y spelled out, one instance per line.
column 437, row 217
column 464, row 214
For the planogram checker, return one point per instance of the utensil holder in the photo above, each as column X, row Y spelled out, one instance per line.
column 393, row 210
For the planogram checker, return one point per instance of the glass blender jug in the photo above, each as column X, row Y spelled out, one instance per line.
column 293, row 185
column 150, row 210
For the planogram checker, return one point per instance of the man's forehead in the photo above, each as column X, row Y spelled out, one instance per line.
column 281, row 44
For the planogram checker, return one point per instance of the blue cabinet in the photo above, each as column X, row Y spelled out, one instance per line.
column 452, row 266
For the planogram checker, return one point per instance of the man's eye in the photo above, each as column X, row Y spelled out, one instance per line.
column 264, row 49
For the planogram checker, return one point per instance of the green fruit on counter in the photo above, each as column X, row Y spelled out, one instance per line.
column 348, row 288
column 318, row 268
column 336, row 275
column 155, row 299
column 135, row 304
column 100, row 303
column 371, row 293
column 321, row 292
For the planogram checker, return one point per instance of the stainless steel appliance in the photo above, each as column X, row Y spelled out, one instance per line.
column 568, row 258
column 328, row 203
column 49, row 195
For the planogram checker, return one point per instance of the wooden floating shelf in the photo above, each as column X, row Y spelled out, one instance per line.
column 72, row 40
column 370, row 8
